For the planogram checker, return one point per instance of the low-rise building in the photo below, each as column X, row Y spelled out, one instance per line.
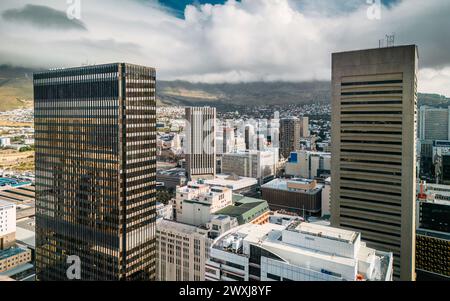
column 172, row 178
column 13, row 257
column 238, row 184
column 302, row 196
column 247, row 210
column 296, row 251
column 196, row 202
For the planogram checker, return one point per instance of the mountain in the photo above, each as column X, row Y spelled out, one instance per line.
column 16, row 91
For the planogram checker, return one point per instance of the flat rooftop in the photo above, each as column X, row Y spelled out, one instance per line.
column 4, row 203
column 231, row 181
column 10, row 252
column 173, row 172
column 282, row 184
column 324, row 231
column 13, row 182
column 244, row 207
column 177, row 226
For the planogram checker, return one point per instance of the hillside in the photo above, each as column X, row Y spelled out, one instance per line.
column 16, row 92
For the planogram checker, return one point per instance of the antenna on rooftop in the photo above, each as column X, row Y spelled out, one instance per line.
column 390, row 40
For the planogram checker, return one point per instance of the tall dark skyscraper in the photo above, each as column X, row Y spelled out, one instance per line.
column 95, row 172
column 290, row 131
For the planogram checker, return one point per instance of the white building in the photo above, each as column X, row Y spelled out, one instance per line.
column 7, row 224
column 164, row 211
column 261, row 165
column 5, row 141
column 297, row 251
column 434, row 123
column 308, row 164
column 236, row 183
column 326, row 196
column 196, row 202
column 182, row 251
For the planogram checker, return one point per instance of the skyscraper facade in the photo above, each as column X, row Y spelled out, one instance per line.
column 434, row 123
column 200, row 146
column 290, row 131
column 373, row 167
column 95, row 132
column 304, row 127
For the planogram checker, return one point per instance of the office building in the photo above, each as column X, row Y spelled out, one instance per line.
column 95, row 172
column 7, row 224
column 182, row 251
column 433, row 233
column 301, row 196
column 228, row 139
column 308, row 164
column 295, row 251
column 373, row 164
column 434, row 123
column 261, row 165
column 441, row 161
column 290, row 133
column 304, row 127
column 200, row 146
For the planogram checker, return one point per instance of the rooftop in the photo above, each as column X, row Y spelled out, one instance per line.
column 301, row 252
column 179, row 227
column 10, row 252
column 324, row 231
column 5, row 203
column 289, row 184
column 173, row 172
column 244, row 208
column 13, row 182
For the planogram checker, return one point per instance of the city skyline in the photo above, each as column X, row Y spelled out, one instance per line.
column 224, row 140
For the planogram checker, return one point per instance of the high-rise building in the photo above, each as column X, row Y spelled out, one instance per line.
column 95, row 172
column 295, row 251
column 373, row 163
column 304, row 127
column 228, row 139
column 200, row 146
column 434, row 123
column 308, row 164
column 249, row 136
column 433, row 233
column 290, row 132
column 441, row 161
column 253, row 164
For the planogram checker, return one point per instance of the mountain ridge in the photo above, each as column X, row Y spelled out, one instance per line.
column 16, row 91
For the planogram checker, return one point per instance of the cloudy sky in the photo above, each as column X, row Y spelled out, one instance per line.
column 223, row 41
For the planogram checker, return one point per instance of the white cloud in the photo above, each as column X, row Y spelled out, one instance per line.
column 239, row 41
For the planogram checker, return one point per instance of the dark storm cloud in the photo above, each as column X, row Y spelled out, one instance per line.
column 42, row 17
